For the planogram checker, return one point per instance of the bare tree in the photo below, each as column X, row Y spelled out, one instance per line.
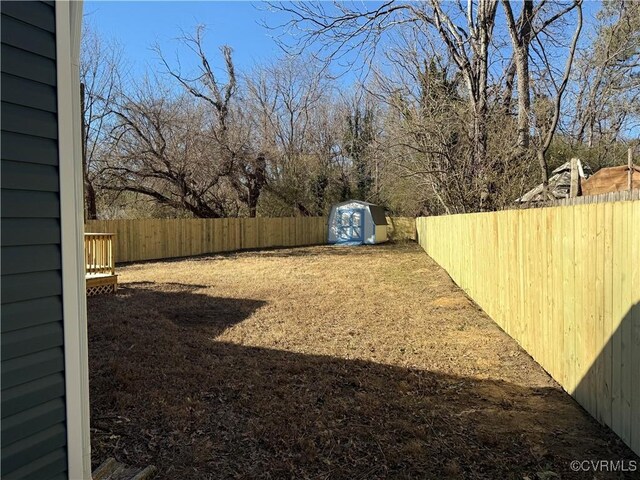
column 521, row 33
column 359, row 142
column 606, row 84
column 289, row 101
column 466, row 32
column 463, row 104
column 553, row 83
column 100, row 65
column 425, row 130
column 167, row 150
column 228, row 124
column 534, row 20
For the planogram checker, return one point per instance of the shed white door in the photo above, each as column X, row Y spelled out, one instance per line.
column 350, row 225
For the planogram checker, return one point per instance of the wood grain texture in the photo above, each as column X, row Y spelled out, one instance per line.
column 564, row 282
column 155, row 239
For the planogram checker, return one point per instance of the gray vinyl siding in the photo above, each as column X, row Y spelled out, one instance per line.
column 33, row 431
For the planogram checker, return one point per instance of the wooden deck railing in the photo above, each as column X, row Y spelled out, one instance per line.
column 98, row 254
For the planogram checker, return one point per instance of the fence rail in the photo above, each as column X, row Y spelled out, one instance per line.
column 565, row 283
column 623, row 195
column 154, row 239
column 619, row 196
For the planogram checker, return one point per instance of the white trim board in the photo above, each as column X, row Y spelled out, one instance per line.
column 68, row 28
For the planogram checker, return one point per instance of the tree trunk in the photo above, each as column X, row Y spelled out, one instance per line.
column 85, row 172
column 520, row 40
column 485, row 23
column 91, row 211
column 253, row 210
column 524, row 102
column 542, row 161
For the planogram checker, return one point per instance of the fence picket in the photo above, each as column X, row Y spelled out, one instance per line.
column 565, row 283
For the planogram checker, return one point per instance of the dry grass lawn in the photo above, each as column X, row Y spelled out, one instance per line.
column 322, row 363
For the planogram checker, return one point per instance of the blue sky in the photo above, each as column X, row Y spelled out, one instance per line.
column 138, row 25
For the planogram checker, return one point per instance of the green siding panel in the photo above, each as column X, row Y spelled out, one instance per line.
column 29, row 93
column 38, row 14
column 30, row 258
column 30, row 449
column 30, row 121
column 30, row 176
column 39, row 311
column 30, row 394
column 24, row 204
column 33, row 420
column 28, row 65
column 30, row 231
column 32, row 339
column 27, row 368
column 27, row 148
column 52, row 466
column 26, row 286
column 33, row 427
column 26, row 36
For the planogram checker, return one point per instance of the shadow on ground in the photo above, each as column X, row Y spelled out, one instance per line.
column 184, row 306
column 165, row 392
column 286, row 252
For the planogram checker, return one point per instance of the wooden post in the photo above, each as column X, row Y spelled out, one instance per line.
column 574, row 188
column 630, row 168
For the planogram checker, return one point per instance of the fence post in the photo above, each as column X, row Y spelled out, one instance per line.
column 630, row 168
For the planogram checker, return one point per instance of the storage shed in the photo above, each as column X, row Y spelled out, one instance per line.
column 355, row 222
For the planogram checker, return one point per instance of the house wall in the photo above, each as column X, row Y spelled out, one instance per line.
column 34, row 429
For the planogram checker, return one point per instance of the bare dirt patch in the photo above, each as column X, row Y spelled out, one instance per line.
column 323, row 362
column 454, row 302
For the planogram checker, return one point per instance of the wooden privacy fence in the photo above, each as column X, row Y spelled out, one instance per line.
column 152, row 239
column 622, row 195
column 401, row 228
column 565, row 283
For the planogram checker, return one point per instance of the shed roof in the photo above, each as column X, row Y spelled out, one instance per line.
column 377, row 212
